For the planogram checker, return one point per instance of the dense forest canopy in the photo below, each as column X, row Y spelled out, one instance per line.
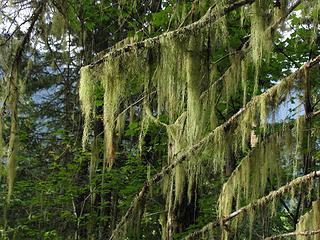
column 150, row 119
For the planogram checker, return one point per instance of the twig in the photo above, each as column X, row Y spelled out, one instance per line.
column 189, row 14
column 170, row 21
column 136, row 102
column 131, row 105
column 4, row 42
column 156, row 213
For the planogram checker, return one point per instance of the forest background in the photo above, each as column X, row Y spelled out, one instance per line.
column 159, row 119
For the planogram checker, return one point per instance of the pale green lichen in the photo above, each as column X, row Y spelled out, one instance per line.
column 194, row 79
column 94, row 164
column 12, row 155
column 221, row 33
column 309, row 222
column 233, row 76
column 58, row 26
column 179, row 75
column 299, row 135
column 87, row 100
column 2, row 142
column 180, row 181
column 244, row 76
column 250, row 178
column 170, row 78
column 220, row 149
column 261, row 40
column 114, row 83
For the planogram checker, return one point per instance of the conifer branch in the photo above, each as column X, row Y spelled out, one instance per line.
column 260, row 202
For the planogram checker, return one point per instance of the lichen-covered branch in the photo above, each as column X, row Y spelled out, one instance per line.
column 246, row 47
column 306, row 234
column 12, row 85
column 260, row 202
column 310, row 220
column 208, row 18
column 204, row 140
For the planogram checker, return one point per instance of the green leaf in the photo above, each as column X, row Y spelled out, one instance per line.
column 89, row 25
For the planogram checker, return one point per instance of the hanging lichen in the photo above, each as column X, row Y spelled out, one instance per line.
column 221, row 33
column 12, row 154
column 171, row 86
column 58, row 27
column 195, row 125
column 189, row 93
column 112, row 92
column 87, row 100
column 299, row 133
column 94, row 163
column 2, row 143
column 244, row 73
column 251, row 177
column 233, row 78
column 309, row 222
column 114, row 85
column 261, row 39
column 280, row 8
